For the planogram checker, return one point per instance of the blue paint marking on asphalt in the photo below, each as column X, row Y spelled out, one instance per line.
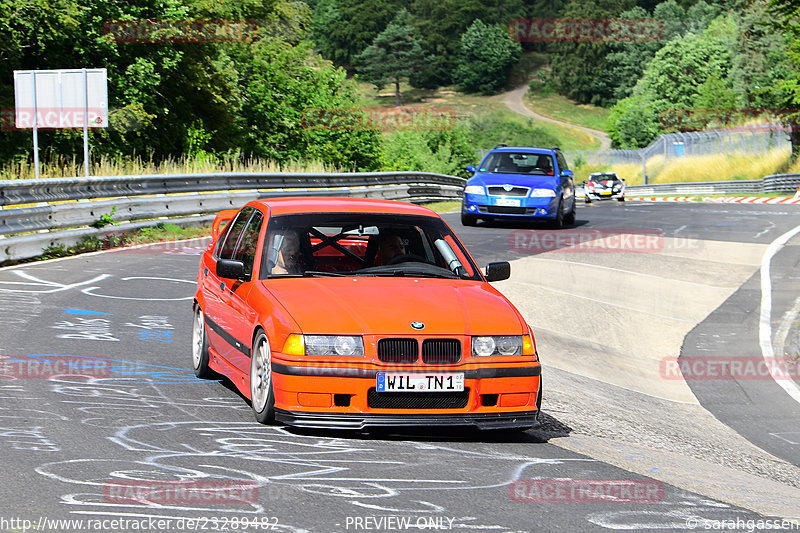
column 158, row 335
column 84, row 312
column 121, row 370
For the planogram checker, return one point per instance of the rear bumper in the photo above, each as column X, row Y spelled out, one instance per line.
column 363, row 421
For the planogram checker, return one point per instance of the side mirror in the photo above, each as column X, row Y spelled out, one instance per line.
column 498, row 271
column 567, row 173
column 229, row 269
column 623, row 180
column 471, row 168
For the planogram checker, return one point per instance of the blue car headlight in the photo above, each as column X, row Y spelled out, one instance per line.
column 543, row 193
column 474, row 189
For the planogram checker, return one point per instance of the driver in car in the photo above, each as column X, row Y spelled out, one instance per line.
column 391, row 245
column 286, row 254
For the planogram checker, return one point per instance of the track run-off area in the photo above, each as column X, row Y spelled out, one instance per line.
column 654, row 322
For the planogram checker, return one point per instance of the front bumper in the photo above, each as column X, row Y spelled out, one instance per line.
column 498, row 395
column 363, row 421
column 480, row 205
column 604, row 194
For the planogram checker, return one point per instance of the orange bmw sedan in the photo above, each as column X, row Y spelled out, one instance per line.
column 358, row 313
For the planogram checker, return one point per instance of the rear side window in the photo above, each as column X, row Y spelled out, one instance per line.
column 227, row 244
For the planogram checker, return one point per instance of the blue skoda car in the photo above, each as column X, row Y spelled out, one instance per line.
column 520, row 183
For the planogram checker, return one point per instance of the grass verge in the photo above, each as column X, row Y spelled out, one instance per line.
column 716, row 167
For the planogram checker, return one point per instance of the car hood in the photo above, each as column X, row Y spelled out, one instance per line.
column 524, row 180
column 388, row 306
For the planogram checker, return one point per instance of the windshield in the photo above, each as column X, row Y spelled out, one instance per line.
column 363, row 244
column 518, row 163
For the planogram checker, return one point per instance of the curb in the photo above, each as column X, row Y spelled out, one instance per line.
column 721, row 200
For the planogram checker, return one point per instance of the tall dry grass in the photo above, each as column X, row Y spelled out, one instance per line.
column 717, row 167
column 69, row 168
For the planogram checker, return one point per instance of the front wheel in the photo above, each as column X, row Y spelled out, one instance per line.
column 468, row 220
column 200, row 348
column 558, row 223
column 261, row 396
column 570, row 218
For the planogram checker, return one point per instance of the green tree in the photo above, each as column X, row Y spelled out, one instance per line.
column 632, row 123
column 440, row 23
column 673, row 77
column 342, row 29
column 284, row 86
column 393, row 56
column 486, row 57
column 786, row 15
column 580, row 70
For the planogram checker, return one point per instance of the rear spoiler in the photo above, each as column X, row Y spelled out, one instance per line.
column 221, row 221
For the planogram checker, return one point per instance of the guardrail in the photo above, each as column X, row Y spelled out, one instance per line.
column 183, row 199
column 775, row 183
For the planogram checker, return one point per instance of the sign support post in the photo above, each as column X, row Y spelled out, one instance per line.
column 35, row 132
column 85, row 123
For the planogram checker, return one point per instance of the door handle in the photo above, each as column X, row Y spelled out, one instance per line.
column 222, row 286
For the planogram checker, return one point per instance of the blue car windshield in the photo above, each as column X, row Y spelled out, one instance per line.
column 518, row 163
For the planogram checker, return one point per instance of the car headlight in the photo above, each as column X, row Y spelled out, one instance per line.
column 543, row 193
column 341, row 345
column 474, row 189
column 497, row 345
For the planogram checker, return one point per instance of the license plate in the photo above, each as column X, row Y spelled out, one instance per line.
column 606, row 193
column 405, row 382
column 507, row 202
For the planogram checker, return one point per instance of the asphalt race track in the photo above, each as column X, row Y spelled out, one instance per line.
column 128, row 412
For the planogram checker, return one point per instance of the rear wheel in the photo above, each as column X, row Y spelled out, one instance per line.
column 468, row 220
column 261, row 395
column 200, row 348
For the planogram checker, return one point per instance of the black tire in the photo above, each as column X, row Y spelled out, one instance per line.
column 558, row 223
column 468, row 220
column 200, row 348
column 621, row 199
column 262, row 398
column 570, row 218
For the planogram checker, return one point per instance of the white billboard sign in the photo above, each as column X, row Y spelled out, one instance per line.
column 67, row 98
column 70, row 98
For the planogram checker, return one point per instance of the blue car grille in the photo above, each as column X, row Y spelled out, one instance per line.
column 515, row 191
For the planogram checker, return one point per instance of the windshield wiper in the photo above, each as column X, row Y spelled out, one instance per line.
column 399, row 273
column 310, row 273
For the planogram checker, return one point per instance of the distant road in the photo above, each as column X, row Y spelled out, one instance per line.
column 515, row 101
